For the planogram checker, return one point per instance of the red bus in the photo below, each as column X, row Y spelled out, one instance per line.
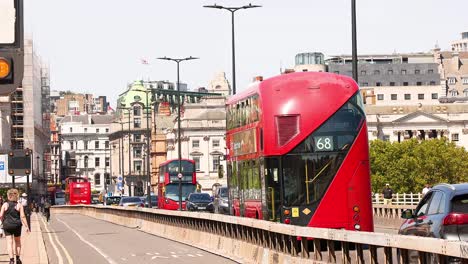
column 168, row 186
column 77, row 191
column 298, row 152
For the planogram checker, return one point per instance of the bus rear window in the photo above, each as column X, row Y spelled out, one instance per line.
column 77, row 191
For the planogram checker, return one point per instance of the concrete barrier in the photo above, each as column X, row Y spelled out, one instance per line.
column 256, row 241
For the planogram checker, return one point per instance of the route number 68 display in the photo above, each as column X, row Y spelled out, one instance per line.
column 324, row 143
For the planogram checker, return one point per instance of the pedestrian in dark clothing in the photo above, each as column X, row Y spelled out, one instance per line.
column 387, row 194
column 13, row 217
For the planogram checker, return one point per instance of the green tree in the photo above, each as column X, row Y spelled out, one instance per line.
column 409, row 165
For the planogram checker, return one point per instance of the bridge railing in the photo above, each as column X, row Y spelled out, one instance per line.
column 257, row 241
column 399, row 198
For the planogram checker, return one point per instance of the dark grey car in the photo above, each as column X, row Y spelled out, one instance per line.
column 198, row 201
column 221, row 201
column 442, row 213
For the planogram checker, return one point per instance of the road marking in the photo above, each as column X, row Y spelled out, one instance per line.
column 172, row 253
column 57, row 252
column 200, row 255
column 190, row 255
column 69, row 258
column 109, row 260
column 124, row 259
column 149, row 254
column 159, row 257
column 174, row 256
column 133, row 255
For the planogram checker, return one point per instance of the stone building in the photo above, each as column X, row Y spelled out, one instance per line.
column 85, row 142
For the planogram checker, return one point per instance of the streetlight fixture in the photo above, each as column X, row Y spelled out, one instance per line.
column 178, row 120
column 148, row 135
column 232, row 10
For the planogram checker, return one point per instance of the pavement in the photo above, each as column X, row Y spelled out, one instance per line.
column 33, row 246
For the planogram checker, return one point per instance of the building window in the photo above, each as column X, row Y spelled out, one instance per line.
column 455, row 137
column 85, row 143
column 465, row 80
column 420, row 96
column 97, row 130
column 418, row 83
column 197, row 163
column 392, row 83
column 86, row 161
column 417, row 71
column 454, row 92
column 97, row 179
column 137, row 122
column 137, row 152
column 403, row 72
column 137, row 110
column 363, row 72
column 195, row 143
column 430, row 71
column 107, row 130
column 106, row 144
column 432, row 83
column 407, row 96
column 380, row 97
column 107, row 161
column 137, row 137
column 71, row 129
column 96, row 144
column 390, row 72
column 85, row 129
column 405, row 83
column 72, row 145
column 215, row 143
column 394, row 97
column 137, row 165
column 215, row 163
column 376, row 72
column 107, row 178
column 465, row 93
column 378, row 84
column 452, row 80
column 97, row 162
column 434, row 96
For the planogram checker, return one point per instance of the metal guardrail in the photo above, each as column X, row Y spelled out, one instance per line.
column 399, row 198
column 390, row 211
column 259, row 241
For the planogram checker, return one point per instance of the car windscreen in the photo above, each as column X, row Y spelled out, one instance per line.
column 131, row 200
column 223, row 192
column 113, row 200
column 460, row 204
column 200, row 197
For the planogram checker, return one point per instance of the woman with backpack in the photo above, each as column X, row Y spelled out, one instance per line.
column 13, row 217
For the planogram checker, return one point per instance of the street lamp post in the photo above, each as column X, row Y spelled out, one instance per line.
column 148, row 135
column 233, row 10
column 178, row 121
column 354, row 40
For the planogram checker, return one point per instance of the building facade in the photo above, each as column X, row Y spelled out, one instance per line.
column 462, row 44
column 85, row 145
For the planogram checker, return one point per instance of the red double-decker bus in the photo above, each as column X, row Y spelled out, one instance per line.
column 168, row 186
column 77, row 191
column 298, row 152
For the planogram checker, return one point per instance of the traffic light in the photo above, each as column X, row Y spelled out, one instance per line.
column 11, row 46
column 19, row 162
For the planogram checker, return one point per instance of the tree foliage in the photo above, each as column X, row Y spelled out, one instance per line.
column 409, row 165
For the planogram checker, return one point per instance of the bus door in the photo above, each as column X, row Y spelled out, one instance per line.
column 242, row 176
column 272, row 188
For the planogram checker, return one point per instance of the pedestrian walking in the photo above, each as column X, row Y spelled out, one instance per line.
column 387, row 194
column 27, row 211
column 426, row 189
column 47, row 209
column 13, row 217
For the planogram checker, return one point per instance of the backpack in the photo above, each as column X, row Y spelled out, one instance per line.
column 11, row 219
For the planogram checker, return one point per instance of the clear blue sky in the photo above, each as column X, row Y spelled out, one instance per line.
column 95, row 46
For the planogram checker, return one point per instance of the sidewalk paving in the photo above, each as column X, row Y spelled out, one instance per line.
column 33, row 247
